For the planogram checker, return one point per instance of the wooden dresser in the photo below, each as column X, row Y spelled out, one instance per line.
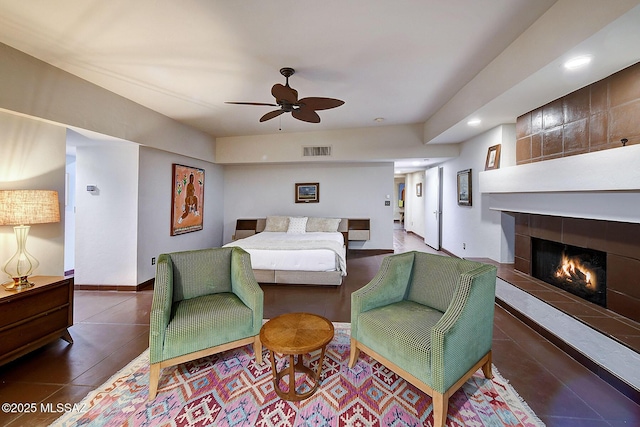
column 36, row 316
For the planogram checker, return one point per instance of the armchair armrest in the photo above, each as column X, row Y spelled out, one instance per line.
column 388, row 286
column 245, row 286
column 160, row 307
column 464, row 333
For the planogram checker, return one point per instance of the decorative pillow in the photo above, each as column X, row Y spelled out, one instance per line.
column 323, row 224
column 297, row 225
column 277, row 223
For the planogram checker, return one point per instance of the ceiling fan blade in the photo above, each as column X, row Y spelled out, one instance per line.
column 306, row 115
column 270, row 115
column 284, row 93
column 252, row 103
column 316, row 103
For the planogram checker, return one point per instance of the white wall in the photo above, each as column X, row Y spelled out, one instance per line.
column 106, row 220
column 414, row 219
column 346, row 190
column 154, row 209
column 32, row 157
column 476, row 227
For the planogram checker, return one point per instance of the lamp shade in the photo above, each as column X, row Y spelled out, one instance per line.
column 26, row 207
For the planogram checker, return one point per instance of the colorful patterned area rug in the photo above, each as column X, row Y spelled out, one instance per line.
column 229, row 389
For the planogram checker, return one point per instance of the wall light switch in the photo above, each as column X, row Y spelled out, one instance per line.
column 387, row 202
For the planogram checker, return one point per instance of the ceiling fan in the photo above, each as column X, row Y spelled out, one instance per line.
column 287, row 99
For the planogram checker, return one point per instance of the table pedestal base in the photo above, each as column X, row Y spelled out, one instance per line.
column 296, row 366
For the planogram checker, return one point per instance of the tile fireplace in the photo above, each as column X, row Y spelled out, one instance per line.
column 610, row 250
column 580, row 271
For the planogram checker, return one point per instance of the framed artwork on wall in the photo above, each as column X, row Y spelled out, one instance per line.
column 308, row 192
column 493, row 158
column 464, row 187
column 187, row 199
column 419, row 189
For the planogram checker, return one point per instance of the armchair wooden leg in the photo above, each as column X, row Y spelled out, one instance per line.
column 154, row 377
column 440, row 409
column 354, row 353
column 257, row 349
column 486, row 368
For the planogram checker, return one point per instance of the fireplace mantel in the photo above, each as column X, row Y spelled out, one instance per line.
column 607, row 170
column 602, row 185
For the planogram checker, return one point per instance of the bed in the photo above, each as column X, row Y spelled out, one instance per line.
column 295, row 250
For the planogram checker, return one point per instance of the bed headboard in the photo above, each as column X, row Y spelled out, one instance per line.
column 249, row 226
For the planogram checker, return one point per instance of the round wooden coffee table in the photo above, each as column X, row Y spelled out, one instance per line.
column 295, row 334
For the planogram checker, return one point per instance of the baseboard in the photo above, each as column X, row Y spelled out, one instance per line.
column 148, row 284
column 415, row 234
column 451, row 254
column 371, row 251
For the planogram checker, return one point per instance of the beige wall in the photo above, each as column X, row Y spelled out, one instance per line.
column 34, row 88
column 365, row 144
column 37, row 103
column 32, row 156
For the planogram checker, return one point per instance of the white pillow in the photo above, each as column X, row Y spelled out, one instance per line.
column 277, row 223
column 297, row 225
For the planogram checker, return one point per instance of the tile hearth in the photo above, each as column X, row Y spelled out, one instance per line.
column 604, row 341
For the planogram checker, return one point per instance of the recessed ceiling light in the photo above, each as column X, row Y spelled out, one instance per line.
column 577, row 62
column 378, row 119
column 474, row 122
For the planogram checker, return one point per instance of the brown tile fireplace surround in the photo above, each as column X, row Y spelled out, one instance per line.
column 620, row 319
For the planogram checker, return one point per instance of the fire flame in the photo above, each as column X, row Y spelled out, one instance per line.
column 572, row 270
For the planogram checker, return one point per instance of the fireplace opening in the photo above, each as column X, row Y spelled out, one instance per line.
column 581, row 271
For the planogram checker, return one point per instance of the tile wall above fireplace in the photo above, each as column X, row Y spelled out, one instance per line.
column 596, row 117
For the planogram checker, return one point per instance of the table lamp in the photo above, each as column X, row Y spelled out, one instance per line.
column 22, row 208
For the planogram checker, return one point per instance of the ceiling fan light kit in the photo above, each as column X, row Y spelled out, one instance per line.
column 287, row 99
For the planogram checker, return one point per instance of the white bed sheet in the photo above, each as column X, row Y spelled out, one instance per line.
column 293, row 259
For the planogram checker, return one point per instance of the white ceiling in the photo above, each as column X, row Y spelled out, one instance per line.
column 402, row 60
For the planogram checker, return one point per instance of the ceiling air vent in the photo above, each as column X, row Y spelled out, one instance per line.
column 316, row 151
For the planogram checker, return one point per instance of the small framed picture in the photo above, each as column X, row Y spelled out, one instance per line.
column 464, row 187
column 493, row 158
column 419, row 189
column 308, row 192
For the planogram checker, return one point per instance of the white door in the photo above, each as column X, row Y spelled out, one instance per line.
column 432, row 210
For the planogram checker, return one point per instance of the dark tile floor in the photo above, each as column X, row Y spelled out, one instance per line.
column 111, row 328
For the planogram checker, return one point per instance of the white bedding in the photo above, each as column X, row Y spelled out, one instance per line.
column 311, row 251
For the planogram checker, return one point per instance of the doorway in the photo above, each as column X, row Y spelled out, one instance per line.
column 399, row 202
column 433, row 207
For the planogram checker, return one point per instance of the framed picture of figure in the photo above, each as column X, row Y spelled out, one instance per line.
column 187, row 199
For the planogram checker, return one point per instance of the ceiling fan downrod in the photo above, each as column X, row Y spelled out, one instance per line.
column 287, row 72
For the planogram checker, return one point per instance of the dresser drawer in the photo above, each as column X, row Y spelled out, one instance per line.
column 35, row 316
column 29, row 303
column 24, row 334
column 358, row 234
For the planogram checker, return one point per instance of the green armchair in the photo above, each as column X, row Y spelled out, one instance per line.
column 204, row 302
column 428, row 318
